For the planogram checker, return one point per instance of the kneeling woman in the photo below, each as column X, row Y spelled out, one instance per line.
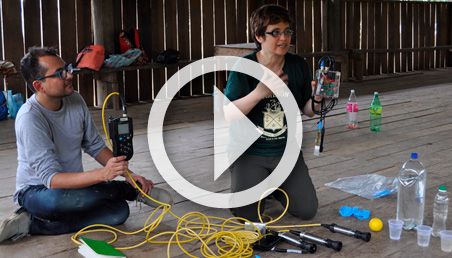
column 271, row 30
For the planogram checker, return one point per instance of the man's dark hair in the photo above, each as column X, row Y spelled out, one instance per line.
column 264, row 16
column 31, row 68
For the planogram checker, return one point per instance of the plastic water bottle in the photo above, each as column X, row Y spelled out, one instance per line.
column 440, row 209
column 375, row 113
column 352, row 110
column 411, row 193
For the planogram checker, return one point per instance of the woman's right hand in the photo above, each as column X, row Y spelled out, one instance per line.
column 239, row 107
column 263, row 91
column 115, row 166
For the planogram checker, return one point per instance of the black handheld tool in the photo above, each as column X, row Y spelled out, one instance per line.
column 335, row 245
column 311, row 248
column 349, row 232
column 121, row 133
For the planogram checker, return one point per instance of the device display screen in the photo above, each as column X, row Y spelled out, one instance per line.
column 123, row 128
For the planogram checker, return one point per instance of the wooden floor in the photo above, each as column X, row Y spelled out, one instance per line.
column 416, row 118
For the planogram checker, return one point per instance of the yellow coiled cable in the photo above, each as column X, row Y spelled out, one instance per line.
column 193, row 226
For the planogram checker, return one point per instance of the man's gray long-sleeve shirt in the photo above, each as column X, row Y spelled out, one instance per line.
column 50, row 142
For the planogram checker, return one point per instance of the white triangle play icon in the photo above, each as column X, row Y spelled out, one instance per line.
column 231, row 139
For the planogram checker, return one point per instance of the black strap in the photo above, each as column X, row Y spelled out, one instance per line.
column 78, row 59
column 316, row 101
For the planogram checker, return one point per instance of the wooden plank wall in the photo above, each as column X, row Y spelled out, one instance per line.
column 195, row 26
column 396, row 26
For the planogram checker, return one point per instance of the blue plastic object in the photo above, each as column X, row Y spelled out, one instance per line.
column 124, row 59
column 346, row 211
column 384, row 192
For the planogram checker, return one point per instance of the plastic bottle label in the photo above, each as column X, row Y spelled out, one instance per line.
column 375, row 111
column 352, row 107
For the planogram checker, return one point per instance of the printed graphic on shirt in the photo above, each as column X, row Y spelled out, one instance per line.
column 274, row 123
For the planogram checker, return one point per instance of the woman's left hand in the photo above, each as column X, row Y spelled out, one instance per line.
column 316, row 98
column 307, row 109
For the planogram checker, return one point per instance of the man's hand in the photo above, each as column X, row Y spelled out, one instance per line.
column 115, row 166
column 146, row 185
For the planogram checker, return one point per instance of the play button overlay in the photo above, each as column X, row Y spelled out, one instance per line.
column 233, row 133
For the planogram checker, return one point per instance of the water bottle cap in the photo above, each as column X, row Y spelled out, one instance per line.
column 442, row 188
column 414, row 155
column 352, row 91
column 376, row 93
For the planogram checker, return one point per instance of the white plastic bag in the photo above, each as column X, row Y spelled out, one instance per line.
column 369, row 186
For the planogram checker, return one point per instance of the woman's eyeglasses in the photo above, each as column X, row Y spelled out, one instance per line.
column 62, row 74
column 278, row 33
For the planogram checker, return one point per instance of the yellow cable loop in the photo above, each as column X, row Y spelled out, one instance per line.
column 230, row 240
column 282, row 214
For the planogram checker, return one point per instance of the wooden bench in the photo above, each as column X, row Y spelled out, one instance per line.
column 107, row 78
column 357, row 56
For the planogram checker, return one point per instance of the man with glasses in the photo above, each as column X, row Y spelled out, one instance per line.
column 52, row 128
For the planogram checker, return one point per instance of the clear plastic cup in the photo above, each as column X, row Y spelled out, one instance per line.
column 395, row 228
column 423, row 235
column 446, row 240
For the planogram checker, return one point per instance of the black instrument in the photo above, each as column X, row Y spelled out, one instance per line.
column 121, row 133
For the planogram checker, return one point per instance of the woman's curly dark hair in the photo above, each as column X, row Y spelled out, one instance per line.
column 264, row 16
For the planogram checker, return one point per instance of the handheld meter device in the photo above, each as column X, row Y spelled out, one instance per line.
column 121, row 133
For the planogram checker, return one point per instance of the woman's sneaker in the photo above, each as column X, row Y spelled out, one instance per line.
column 16, row 226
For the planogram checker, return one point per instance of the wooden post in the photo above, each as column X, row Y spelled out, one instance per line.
column 334, row 36
column 106, row 31
column 333, row 25
column 358, row 68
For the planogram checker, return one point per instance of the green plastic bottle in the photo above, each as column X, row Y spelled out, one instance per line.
column 375, row 113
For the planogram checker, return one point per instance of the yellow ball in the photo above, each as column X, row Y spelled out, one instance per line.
column 375, row 224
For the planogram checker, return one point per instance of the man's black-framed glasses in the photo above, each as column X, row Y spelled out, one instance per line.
column 278, row 33
column 62, row 73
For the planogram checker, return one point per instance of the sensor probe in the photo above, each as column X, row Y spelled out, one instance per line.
column 335, row 245
column 311, row 248
column 288, row 251
column 349, row 232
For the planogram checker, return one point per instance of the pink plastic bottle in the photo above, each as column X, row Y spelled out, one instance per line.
column 352, row 110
